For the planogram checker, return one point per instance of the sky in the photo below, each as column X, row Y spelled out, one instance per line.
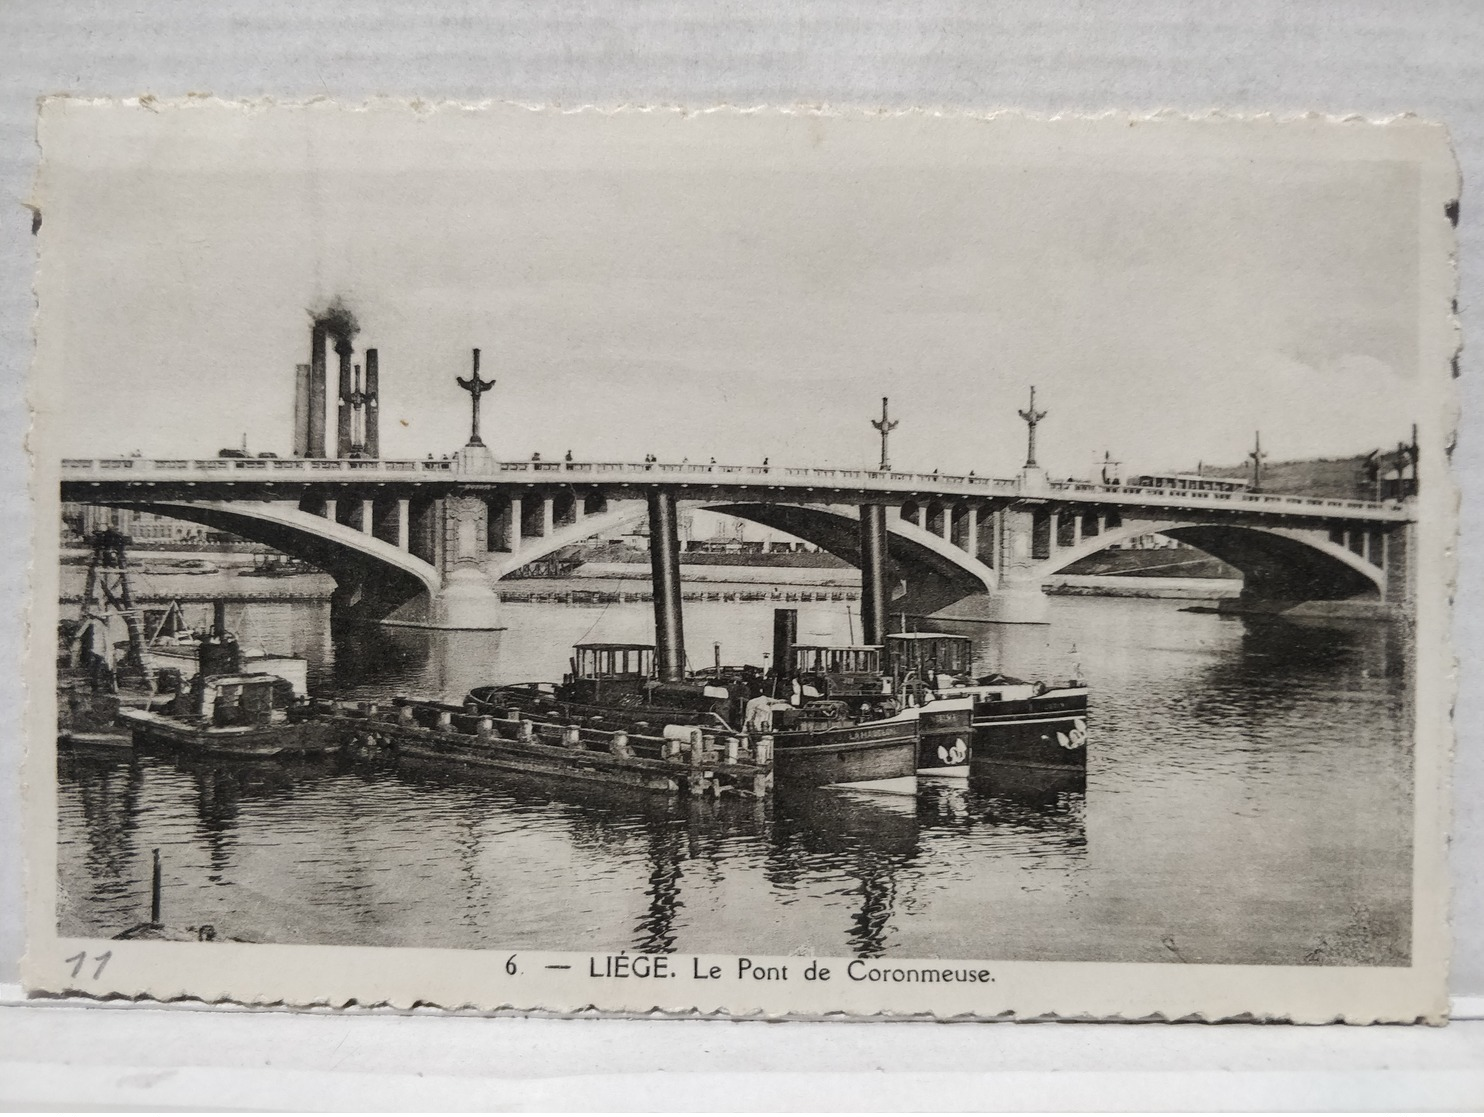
column 732, row 286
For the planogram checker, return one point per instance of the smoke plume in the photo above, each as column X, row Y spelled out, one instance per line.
column 337, row 320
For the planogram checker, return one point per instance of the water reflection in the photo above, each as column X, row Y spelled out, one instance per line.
column 104, row 791
column 868, row 839
column 1247, row 799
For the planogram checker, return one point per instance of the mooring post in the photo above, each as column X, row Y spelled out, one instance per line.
column 154, row 891
column 664, row 566
column 873, row 573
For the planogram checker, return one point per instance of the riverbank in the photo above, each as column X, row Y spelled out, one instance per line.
column 1128, row 585
column 843, row 577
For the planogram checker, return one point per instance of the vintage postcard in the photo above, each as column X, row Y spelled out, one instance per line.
column 782, row 562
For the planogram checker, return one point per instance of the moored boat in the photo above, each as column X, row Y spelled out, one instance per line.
column 227, row 709
column 829, row 713
column 233, row 715
column 174, row 646
column 1030, row 724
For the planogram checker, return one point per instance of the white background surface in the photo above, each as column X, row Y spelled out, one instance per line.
column 1142, row 55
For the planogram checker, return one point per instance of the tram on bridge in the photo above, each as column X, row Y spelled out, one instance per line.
column 1192, row 482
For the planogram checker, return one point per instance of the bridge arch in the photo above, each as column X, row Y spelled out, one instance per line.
column 366, row 569
column 834, row 528
column 1280, row 564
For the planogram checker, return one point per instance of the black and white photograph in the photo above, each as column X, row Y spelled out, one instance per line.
column 776, row 561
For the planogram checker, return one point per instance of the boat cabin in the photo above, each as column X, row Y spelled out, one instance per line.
column 851, row 673
column 928, row 657
column 603, row 671
column 241, row 700
column 835, row 659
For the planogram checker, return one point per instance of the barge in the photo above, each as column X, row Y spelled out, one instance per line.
column 680, row 759
column 830, row 712
column 1019, row 723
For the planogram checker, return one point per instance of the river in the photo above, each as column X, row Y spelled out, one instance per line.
column 1247, row 800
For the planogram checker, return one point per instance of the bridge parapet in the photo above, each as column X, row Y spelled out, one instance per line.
column 646, row 475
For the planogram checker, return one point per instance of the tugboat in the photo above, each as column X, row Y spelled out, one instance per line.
column 174, row 644
column 227, row 710
column 1017, row 723
column 831, row 712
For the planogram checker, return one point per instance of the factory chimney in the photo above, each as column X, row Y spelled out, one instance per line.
column 343, row 428
column 315, row 419
column 301, row 411
column 373, row 405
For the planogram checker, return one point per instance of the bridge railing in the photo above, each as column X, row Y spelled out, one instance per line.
column 783, row 476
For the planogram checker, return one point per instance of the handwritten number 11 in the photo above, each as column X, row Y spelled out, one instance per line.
column 80, row 959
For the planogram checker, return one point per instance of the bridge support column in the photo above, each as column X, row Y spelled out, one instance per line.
column 467, row 600
column 945, row 529
column 368, row 516
column 1019, row 599
column 548, row 518
column 971, row 532
column 922, row 516
column 873, row 573
column 404, row 525
column 332, row 510
column 664, row 566
column 512, row 529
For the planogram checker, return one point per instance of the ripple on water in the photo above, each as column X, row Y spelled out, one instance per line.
column 1247, row 799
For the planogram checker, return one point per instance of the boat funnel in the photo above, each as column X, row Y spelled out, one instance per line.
column 785, row 636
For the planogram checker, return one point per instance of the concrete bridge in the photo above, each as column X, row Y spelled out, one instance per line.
column 427, row 541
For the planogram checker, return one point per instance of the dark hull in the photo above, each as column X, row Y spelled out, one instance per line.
column 531, row 703
column 644, row 762
column 267, row 740
column 1048, row 732
column 945, row 740
column 850, row 754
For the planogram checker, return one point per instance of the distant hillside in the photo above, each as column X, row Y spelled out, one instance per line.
column 1323, row 477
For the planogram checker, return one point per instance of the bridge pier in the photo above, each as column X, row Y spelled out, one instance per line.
column 465, row 599
column 873, row 573
column 1018, row 597
column 664, row 566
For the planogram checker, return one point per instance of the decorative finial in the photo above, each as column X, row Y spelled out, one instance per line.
column 885, row 425
column 1257, row 457
column 1031, row 417
column 476, row 388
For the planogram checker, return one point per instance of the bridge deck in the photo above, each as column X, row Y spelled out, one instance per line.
column 734, row 478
